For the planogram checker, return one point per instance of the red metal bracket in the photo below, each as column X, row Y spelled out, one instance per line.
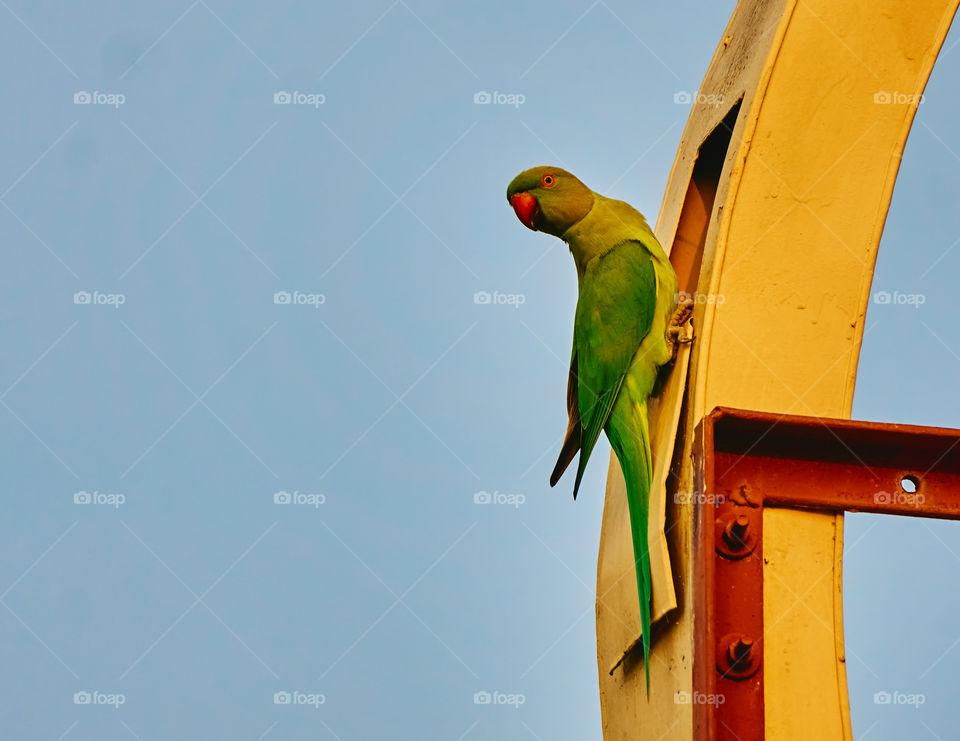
column 745, row 461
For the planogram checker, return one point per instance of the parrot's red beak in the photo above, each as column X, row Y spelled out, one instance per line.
column 525, row 206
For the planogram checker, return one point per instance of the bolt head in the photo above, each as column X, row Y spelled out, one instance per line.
column 738, row 652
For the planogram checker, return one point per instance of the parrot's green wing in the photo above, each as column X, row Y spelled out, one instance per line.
column 618, row 298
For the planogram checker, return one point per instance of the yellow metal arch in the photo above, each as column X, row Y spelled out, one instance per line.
column 774, row 211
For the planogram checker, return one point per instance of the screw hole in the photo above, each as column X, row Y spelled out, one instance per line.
column 909, row 484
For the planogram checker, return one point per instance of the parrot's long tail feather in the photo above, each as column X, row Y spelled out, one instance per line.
column 630, row 439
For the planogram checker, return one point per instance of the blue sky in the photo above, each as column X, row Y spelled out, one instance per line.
column 182, row 399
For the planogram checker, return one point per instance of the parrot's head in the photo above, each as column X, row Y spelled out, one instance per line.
column 549, row 199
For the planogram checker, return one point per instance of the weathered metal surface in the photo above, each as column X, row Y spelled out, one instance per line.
column 838, row 465
column 748, row 461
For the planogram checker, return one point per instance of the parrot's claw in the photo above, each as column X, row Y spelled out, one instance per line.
column 677, row 332
column 683, row 312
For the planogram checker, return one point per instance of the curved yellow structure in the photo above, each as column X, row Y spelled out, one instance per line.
column 774, row 211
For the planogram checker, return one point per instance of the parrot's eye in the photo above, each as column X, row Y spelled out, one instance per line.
column 548, row 181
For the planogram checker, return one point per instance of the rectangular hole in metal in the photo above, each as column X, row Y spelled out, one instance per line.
column 688, row 244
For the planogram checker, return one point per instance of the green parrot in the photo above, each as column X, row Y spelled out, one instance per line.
column 628, row 296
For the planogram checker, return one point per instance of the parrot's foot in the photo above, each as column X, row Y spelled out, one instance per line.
column 677, row 331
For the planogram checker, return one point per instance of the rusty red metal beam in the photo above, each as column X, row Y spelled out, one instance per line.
column 746, row 461
column 838, row 464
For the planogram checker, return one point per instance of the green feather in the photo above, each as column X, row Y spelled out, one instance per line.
column 614, row 314
column 630, row 439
